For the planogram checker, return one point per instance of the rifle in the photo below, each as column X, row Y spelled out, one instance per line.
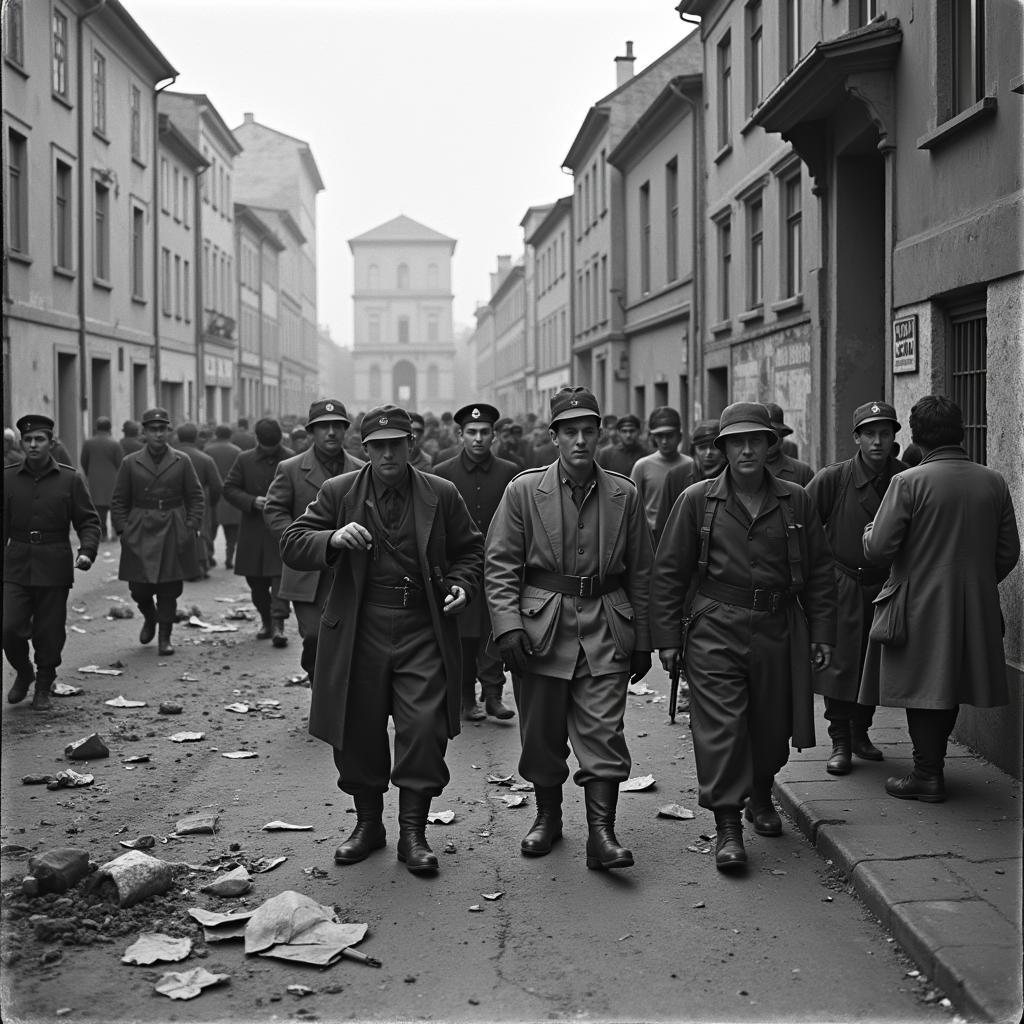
column 673, row 694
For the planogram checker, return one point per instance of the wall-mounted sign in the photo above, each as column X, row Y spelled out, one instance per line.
column 905, row 343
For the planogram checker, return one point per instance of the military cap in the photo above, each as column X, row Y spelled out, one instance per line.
column 744, row 418
column 479, row 412
column 505, row 421
column 571, row 403
column 327, row 410
column 629, row 420
column 663, row 419
column 775, row 415
column 34, row 421
column 155, row 416
column 416, row 418
column 704, row 431
column 869, row 412
column 385, row 422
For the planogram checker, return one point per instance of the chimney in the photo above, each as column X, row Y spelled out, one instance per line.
column 624, row 65
column 248, row 117
column 504, row 265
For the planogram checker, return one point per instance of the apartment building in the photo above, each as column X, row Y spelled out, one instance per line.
column 508, row 305
column 533, row 216
column 481, row 344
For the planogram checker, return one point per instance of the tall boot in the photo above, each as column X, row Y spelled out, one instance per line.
column 839, row 763
column 547, row 826
column 266, row 630
column 278, row 639
column 44, row 685
column 22, row 681
column 368, row 835
column 413, row 850
column 861, row 745
column 494, row 706
column 603, row 849
column 164, row 645
column 729, row 852
column 761, row 811
column 148, row 630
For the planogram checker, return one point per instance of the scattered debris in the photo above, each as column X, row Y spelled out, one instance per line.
column 264, row 864
column 120, row 701
column 65, row 690
column 89, row 748
column 186, row 737
column 238, row 755
column 131, row 878
column 268, row 703
column 187, row 677
column 202, row 824
column 476, row 909
column 300, row 679
column 76, row 629
column 239, row 615
column 637, row 784
column 155, row 947
column 500, row 780
column 136, row 759
column 142, row 843
column 440, row 817
column 675, row 811
column 512, row 801
column 492, row 895
column 95, row 670
column 300, row 990
column 36, row 780
column 284, row 826
column 169, row 707
column 208, row 627
column 234, row 883
column 118, row 612
column 68, row 779
column 522, row 787
column 55, row 871
column 639, row 689
column 238, row 707
column 188, row 984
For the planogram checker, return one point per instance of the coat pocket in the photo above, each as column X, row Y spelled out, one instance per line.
column 889, row 624
column 539, row 613
column 329, row 621
column 621, row 623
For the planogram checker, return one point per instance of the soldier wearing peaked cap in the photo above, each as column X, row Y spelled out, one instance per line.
column 753, row 549
column 406, row 560
column 847, row 496
column 481, row 478
column 42, row 501
column 566, row 571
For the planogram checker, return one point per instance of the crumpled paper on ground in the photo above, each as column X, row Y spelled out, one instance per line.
column 291, row 926
column 187, row 984
column 151, row 947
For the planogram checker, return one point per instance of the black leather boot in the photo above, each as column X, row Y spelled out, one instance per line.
column 547, row 826
column 839, row 763
column 603, row 849
column 413, row 850
column 164, row 645
column 266, row 630
column 22, row 681
column 278, row 639
column 44, row 684
column 148, row 630
column 760, row 811
column 862, row 746
column 368, row 835
column 495, row 708
column 729, row 852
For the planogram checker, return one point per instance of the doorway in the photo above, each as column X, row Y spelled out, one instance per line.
column 403, row 385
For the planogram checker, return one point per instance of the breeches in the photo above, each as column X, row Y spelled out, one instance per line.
column 166, row 595
column 587, row 711
column 38, row 614
column 397, row 672
column 264, row 596
column 480, row 662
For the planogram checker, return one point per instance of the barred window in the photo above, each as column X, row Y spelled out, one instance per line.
column 968, row 372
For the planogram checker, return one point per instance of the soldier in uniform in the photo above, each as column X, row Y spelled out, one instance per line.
column 765, row 604
column 157, row 510
column 224, row 451
column 212, row 484
column 567, row 570
column 406, row 559
column 847, row 496
column 42, row 500
column 258, row 557
column 780, row 463
column 623, row 456
column 481, row 479
column 295, row 485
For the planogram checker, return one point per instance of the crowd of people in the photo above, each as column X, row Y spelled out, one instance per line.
column 424, row 555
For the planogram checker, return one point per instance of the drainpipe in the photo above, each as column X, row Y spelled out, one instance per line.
column 157, row 361
column 197, row 286
column 259, row 333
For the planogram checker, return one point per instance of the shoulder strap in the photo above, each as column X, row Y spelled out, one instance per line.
column 844, row 485
column 710, row 511
column 796, row 562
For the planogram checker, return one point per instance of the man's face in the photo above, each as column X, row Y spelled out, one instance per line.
column 576, row 441
column 505, row 437
column 875, row 441
column 389, row 458
column 709, row 459
column 37, row 445
column 476, row 440
column 746, row 454
column 328, row 437
column 155, row 436
column 629, row 433
column 666, row 441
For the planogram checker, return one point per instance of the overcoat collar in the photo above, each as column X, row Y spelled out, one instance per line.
column 159, row 468
column 946, row 453
column 312, row 467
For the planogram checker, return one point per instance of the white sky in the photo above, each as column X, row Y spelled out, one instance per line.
column 457, row 113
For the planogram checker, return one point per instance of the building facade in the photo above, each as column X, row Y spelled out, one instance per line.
column 403, row 344
column 508, row 305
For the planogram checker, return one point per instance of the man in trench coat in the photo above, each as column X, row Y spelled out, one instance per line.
column 157, row 510
column 100, row 461
column 406, row 559
column 212, row 484
column 225, row 515
column 295, row 486
column 948, row 527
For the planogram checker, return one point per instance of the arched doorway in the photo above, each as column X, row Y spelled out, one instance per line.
column 403, row 378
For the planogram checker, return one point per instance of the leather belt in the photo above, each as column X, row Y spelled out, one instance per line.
column 577, row 586
column 394, row 597
column 39, row 537
column 757, row 600
column 868, row 577
column 158, row 503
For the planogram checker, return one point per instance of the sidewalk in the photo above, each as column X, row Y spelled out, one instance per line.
column 943, row 879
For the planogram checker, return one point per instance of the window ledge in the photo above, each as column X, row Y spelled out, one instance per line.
column 138, row 161
column 99, row 282
column 722, row 327
column 63, row 100
column 99, row 133
column 985, row 107
column 723, row 152
column 757, row 313
column 15, row 66
column 139, row 299
column 19, row 257
column 64, row 272
column 784, row 305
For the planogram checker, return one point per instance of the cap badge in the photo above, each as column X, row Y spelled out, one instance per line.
column 383, row 421
column 875, row 409
column 573, row 402
column 475, row 414
column 329, row 407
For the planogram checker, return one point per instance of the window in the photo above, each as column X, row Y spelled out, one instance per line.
column 967, row 53
column 186, row 202
column 165, row 185
column 176, row 193
column 62, row 222
column 755, row 251
column 403, row 330
column 672, row 220
column 16, row 215
column 99, row 93
column 604, row 287
column 968, row 371
column 60, row 54
column 165, row 281
column 604, row 191
column 186, row 285
column 645, row 237
column 101, row 232
column 177, row 287
column 433, row 328
column 403, row 276
column 14, row 31
column 790, row 34
column 724, row 266
column 212, row 173
column 724, row 92
column 373, row 329
column 138, row 252
column 864, row 10
column 755, row 54
column 792, row 257
column 136, row 123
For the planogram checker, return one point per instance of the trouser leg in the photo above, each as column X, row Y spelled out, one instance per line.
column 17, row 628
column 167, row 595
column 929, row 730
column 280, row 607
column 597, row 705
column 230, row 543
column 470, row 646
column 543, row 703
column 770, row 699
column 858, row 715
column 259, row 590
column 101, row 511
column 489, row 669
column 49, row 625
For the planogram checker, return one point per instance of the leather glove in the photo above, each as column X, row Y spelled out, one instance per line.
column 515, row 651
column 639, row 665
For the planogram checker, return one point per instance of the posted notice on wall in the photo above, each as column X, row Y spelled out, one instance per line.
column 904, row 345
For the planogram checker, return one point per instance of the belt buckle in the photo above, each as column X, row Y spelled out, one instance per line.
column 35, row 537
column 587, row 586
column 762, row 600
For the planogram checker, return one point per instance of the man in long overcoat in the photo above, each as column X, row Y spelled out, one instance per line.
column 224, row 451
column 258, row 557
column 948, row 527
column 157, row 510
column 100, row 461
column 847, row 495
column 295, row 486
column 406, row 559
column 481, row 478
column 212, row 484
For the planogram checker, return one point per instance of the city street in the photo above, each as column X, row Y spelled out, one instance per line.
column 671, row 939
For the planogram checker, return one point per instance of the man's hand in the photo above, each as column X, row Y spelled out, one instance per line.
column 821, row 656
column 455, row 601
column 353, row 536
column 83, row 562
column 639, row 665
column 515, row 650
column 670, row 659
column 258, row 502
